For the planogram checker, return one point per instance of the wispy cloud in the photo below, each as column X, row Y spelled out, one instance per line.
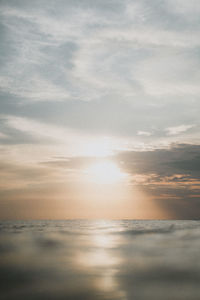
column 105, row 53
column 80, row 78
column 144, row 133
column 178, row 129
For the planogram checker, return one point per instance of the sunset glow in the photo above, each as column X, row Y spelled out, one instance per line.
column 105, row 172
column 99, row 149
column 99, row 103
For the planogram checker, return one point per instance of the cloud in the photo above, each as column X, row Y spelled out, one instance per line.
column 174, row 166
column 86, row 56
column 2, row 135
column 144, row 133
column 170, row 176
column 178, row 129
column 163, row 162
column 120, row 56
column 188, row 10
column 35, row 89
column 75, row 72
column 178, row 163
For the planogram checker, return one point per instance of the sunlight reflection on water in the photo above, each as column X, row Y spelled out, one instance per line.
column 100, row 260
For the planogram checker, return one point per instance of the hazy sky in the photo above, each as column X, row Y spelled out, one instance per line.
column 87, row 84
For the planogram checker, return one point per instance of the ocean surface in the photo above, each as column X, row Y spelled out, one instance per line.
column 89, row 260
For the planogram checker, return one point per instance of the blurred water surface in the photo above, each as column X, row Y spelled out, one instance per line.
column 113, row 260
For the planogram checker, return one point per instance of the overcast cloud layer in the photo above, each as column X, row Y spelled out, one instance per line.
column 74, row 73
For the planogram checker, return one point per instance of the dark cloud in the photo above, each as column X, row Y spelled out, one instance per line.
column 178, row 163
column 128, row 70
column 178, row 159
column 172, row 177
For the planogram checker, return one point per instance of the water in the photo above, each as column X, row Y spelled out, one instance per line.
column 90, row 260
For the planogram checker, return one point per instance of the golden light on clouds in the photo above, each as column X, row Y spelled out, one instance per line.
column 88, row 125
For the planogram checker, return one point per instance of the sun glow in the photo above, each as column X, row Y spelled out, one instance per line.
column 105, row 172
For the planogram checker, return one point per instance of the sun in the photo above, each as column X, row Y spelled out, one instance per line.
column 105, row 172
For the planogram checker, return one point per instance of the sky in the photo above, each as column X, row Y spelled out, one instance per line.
column 99, row 109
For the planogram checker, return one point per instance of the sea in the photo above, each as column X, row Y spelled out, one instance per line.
column 100, row 259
